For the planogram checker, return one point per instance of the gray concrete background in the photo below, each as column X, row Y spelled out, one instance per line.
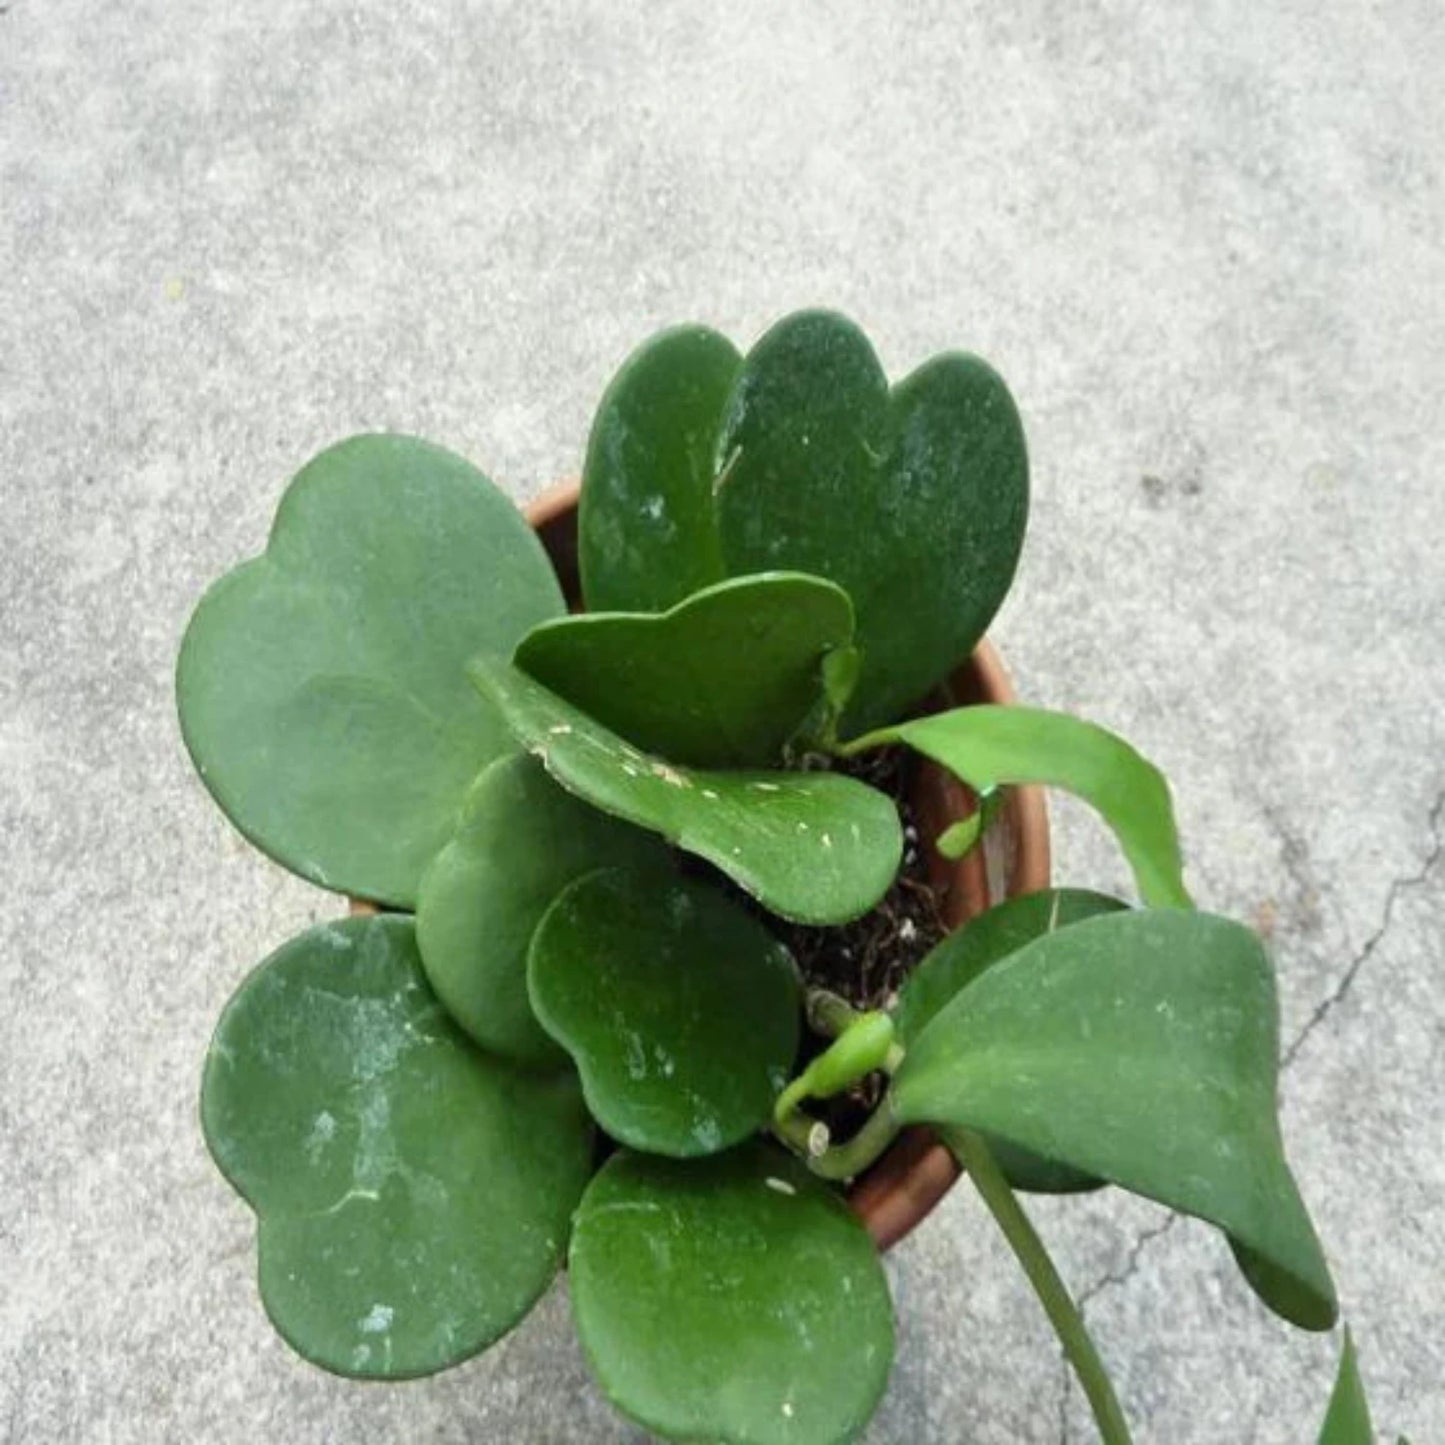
column 1203, row 242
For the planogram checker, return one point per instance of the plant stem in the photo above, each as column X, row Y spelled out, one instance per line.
column 828, row 1014
column 1053, row 1294
column 844, row 1161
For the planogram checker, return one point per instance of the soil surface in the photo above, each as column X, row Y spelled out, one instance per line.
column 866, row 961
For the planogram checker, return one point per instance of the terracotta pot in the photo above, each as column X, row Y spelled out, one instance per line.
column 900, row 1190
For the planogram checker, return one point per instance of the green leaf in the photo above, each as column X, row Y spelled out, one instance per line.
column 520, row 841
column 724, row 679
column 321, row 686
column 1347, row 1421
column 1140, row 1047
column 647, row 535
column 812, row 847
column 914, row 501
column 987, row 746
column 732, row 1299
column 678, row 1005
column 413, row 1194
column 958, row 960
column 984, row 941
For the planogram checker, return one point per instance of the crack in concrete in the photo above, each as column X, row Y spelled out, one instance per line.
column 1309, row 894
column 1340, row 992
column 1130, row 1267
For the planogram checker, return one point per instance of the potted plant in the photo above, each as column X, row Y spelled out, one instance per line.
column 705, row 911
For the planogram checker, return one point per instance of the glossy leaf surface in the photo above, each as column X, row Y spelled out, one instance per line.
column 520, row 841
column 646, row 530
column 914, row 501
column 413, row 1194
column 959, row 959
column 679, row 1007
column 1140, row 1047
column 989, row 745
column 814, row 847
column 723, row 679
column 730, row 1299
column 322, row 688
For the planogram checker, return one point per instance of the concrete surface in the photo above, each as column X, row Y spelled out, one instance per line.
column 1204, row 243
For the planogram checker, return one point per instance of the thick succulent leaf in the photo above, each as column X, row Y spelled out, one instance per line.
column 959, row 959
column 678, row 1005
column 520, row 841
column 647, row 534
column 1139, row 1047
column 732, row 1299
column 1347, row 1420
column 722, row 680
column 987, row 746
column 983, row 941
column 321, row 686
column 813, row 847
column 413, row 1193
column 914, row 501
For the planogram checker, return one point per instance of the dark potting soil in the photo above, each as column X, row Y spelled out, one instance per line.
column 866, row 961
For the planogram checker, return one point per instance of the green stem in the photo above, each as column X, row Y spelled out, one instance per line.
column 1053, row 1294
column 806, row 1137
column 828, row 1014
column 878, row 738
column 846, row 1161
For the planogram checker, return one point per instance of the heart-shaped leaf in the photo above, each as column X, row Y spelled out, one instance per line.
column 959, row 959
column 987, row 746
column 520, row 841
column 914, row 501
column 1140, row 1047
column 321, row 686
column 730, row 1299
column 724, row 679
column 413, row 1194
column 678, row 1005
column 812, row 847
column 646, row 529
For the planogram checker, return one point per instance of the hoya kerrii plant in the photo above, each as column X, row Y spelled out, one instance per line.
column 578, row 1033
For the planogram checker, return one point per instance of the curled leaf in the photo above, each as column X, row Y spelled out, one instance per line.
column 988, row 745
column 812, row 847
